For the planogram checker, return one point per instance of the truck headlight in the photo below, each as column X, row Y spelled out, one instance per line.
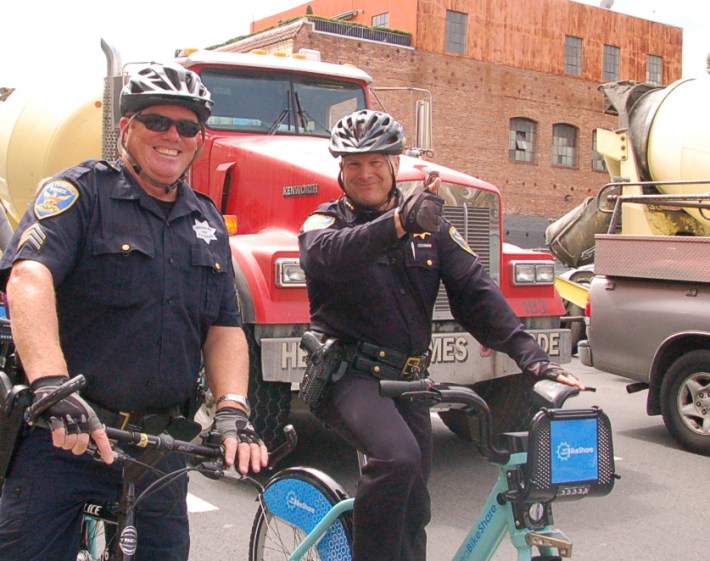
column 289, row 273
column 533, row 272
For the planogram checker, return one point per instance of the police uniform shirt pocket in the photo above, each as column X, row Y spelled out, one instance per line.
column 208, row 273
column 421, row 253
column 116, row 274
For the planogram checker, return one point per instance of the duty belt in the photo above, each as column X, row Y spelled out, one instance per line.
column 152, row 421
column 387, row 363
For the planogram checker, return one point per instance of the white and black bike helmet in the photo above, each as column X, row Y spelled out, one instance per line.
column 366, row 131
column 166, row 84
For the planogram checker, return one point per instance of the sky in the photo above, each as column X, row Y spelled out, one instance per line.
column 43, row 42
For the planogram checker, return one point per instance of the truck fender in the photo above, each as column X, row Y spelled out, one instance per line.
column 256, row 258
column 668, row 351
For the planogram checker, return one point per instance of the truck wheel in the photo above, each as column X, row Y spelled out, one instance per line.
column 270, row 401
column 510, row 401
column 685, row 401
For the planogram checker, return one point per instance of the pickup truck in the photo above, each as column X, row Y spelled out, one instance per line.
column 649, row 320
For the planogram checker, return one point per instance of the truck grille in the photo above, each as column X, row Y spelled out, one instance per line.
column 474, row 224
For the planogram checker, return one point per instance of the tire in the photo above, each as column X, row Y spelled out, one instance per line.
column 278, row 527
column 578, row 330
column 685, row 401
column 270, row 401
column 510, row 401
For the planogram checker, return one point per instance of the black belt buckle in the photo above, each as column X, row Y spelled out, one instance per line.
column 412, row 367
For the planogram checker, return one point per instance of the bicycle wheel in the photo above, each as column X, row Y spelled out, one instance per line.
column 93, row 539
column 293, row 502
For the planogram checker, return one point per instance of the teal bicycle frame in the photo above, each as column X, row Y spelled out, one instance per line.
column 567, row 455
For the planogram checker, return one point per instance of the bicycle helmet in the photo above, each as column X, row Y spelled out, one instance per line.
column 365, row 132
column 166, row 84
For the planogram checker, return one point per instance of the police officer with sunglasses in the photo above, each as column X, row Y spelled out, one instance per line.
column 121, row 272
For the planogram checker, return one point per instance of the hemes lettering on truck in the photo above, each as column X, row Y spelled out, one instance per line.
column 446, row 349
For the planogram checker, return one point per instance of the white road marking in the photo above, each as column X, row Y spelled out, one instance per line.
column 196, row 504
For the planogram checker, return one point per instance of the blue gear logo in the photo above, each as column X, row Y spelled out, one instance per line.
column 563, row 451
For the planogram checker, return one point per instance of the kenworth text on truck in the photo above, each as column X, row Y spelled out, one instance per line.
column 649, row 291
column 266, row 165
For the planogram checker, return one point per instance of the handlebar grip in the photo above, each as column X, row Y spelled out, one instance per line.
column 65, row 390
column 397, row 388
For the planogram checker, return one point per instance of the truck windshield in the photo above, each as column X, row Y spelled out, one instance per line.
column 279, row 103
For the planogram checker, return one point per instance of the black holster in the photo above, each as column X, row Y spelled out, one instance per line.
column 14, row 399
column 325, row 359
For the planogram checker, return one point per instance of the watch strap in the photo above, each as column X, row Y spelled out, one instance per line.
column 237, row 398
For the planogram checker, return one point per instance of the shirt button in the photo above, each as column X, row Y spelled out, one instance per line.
column 429, row 262
column 402, row 291
column 125, row 247
column 171, row 260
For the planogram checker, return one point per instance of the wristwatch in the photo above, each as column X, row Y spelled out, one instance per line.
column 240, row 399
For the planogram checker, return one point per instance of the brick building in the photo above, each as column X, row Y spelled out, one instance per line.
column 513, row 82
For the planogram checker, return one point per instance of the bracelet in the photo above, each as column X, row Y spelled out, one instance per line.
column 240, row 399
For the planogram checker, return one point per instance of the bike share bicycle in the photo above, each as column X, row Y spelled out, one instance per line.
column 566, row 455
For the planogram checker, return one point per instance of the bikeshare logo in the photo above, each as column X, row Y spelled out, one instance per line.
column 293, row 502
column 565, row 451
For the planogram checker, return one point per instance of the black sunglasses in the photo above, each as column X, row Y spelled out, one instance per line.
column 160, row 123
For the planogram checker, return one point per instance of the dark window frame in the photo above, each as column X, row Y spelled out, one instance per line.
column 573, row 55
column 564, row 145
column 456, row 30
column 612, row 63
column 654, row 70
column 381, row 20
column 522, row 140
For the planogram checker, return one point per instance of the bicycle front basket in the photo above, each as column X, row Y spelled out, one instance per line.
column 570, row 455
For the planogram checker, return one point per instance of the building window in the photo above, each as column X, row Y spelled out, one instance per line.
column 564, row 145
column 381, row 20
column 573, row 55
column 654, row 70
column 612, row 55
column 522, row 140
column 598, row 163
column 456, row 24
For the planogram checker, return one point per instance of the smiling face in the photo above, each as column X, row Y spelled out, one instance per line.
column 368, row 178
column 163, row 156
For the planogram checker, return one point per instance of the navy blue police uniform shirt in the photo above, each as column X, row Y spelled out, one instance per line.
column 365, row 284
column 136, row 292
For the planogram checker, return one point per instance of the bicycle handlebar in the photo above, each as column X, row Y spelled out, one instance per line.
column 547, row 393
column 41, row 405
column 461, row 397
column 163, row 442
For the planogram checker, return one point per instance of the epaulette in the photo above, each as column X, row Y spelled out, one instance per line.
column 74, row 173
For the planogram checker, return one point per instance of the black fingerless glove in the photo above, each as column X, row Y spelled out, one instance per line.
column 548, row 370
column 72, row 412
column 231, row 422
column 421, row 212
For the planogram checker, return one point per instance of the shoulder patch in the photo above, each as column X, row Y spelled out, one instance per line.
column 318, row 222
column 55, row 197
column 460, row 241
